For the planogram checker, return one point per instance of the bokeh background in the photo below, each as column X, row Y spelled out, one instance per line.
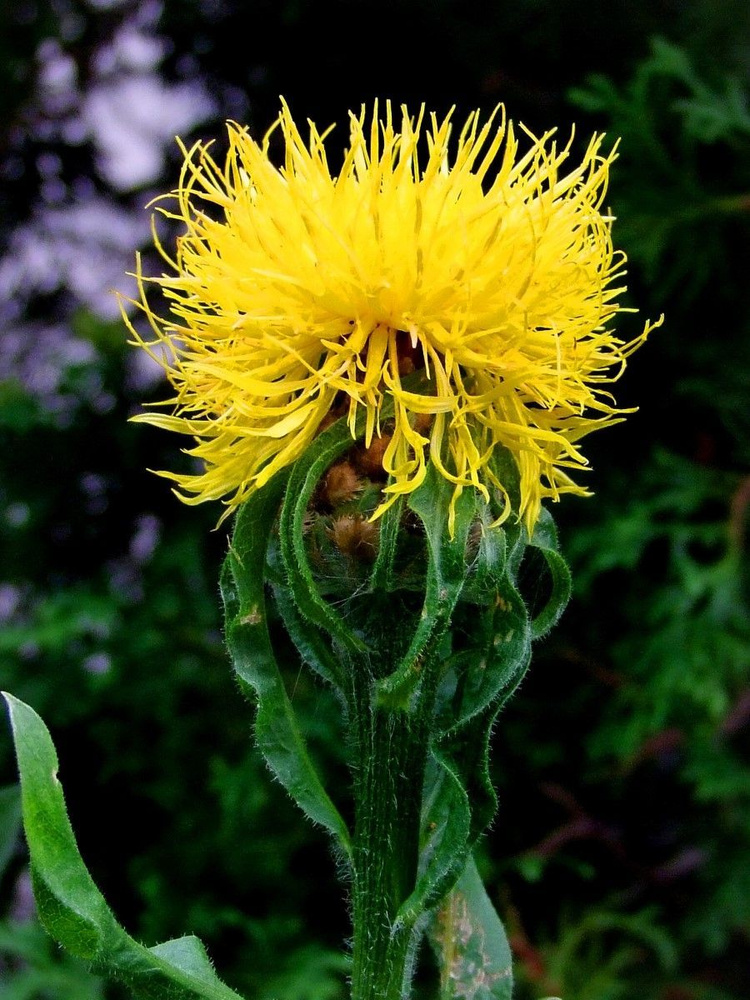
column 620, row 857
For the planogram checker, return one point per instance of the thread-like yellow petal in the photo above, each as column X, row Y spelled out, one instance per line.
column 294, row 291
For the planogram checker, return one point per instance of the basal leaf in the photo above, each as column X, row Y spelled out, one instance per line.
column 70, row 905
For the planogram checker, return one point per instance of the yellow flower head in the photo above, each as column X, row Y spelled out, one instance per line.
column 298, row 291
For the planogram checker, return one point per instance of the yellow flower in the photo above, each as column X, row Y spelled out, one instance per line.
column 298, row 290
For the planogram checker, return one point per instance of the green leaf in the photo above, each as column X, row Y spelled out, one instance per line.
column 447, row 825
column 304, row 477
column 468, row 751
column 187, row 953
column 497, row 659
column 470, row 943
column 460, row 803
column 70, row 906
column 446, row 575
column 10, row 822
column 254, row 661
column 480, row 678
column 545, row 541
column 308, row 640
column 494, row 633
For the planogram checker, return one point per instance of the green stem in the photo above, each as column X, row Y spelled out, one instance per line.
column 392, row 750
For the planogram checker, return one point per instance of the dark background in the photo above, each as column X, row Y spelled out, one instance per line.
column 620, row 857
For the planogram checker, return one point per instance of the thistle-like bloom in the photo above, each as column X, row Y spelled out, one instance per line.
column 298, row 291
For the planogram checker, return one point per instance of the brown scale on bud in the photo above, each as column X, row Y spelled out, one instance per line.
column 339, row 408
column 370, row 460
column 325, row 423
column 341, row 484
column 423, row 422
column 355, row 536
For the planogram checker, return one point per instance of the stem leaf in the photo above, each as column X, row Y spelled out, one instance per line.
column 446, row 575
column 187, row 953
column 446, row 825
column 308, row 639
column 545, row 541
column 305, row 475
column 254, row 661
column 470, row 943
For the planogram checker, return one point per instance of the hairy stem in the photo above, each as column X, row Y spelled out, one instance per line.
column 388, row 781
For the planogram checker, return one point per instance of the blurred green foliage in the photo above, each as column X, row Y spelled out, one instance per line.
column 648, row 762
column 622, row 850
